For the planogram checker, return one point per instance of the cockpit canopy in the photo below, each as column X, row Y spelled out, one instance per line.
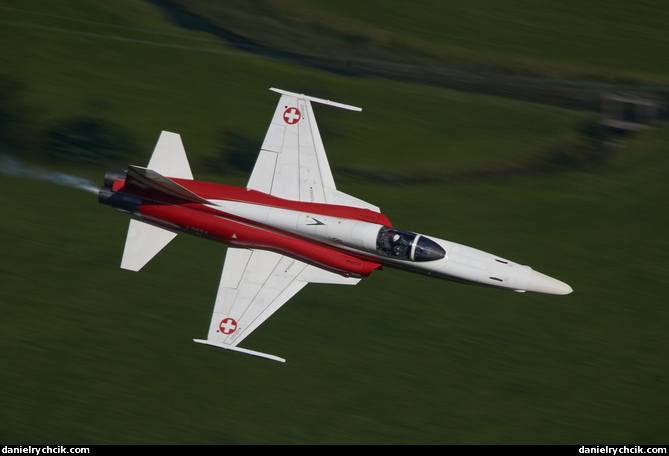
column 405, row 245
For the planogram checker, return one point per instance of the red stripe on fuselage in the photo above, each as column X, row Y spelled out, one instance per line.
column 203, row 221
column 211, row 191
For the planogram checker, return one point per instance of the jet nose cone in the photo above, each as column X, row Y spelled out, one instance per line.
column 541, row 283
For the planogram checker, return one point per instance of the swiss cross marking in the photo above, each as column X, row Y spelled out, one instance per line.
column 292, row 116
column 228, row 326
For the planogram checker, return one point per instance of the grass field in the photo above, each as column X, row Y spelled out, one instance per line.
column 619, row 37
column 150, row 87
column 615, row 42
column 91, row 354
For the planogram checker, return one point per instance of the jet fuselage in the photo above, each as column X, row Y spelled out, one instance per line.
column 347, row 240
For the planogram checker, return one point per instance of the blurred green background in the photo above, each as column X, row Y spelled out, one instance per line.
column 480, row 125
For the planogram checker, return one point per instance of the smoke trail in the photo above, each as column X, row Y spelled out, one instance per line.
column 11, row 166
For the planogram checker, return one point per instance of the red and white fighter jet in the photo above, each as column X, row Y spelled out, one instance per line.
column 289, row 227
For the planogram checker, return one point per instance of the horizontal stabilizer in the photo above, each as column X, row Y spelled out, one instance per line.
column 169, row 157
column 241, row 350
column 144, row 241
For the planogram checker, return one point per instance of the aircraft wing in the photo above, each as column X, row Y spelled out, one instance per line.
column 292, row 163
column 254, row 285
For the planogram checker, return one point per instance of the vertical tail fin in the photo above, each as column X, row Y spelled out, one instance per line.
column 139, row 181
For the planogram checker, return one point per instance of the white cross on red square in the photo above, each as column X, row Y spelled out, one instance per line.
column 292, row 116
column 228, row 326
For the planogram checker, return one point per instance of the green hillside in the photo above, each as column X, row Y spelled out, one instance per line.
column 588, row 38
column 91, row 354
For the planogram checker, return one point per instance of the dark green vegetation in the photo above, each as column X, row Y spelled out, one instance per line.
column 565, row 55
column 93, row 354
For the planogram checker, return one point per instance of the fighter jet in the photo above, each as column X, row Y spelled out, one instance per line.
column 289, row 227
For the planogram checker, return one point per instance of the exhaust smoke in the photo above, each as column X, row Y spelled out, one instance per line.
column 11, row 166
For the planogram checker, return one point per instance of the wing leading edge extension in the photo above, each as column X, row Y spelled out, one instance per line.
column 254, row 285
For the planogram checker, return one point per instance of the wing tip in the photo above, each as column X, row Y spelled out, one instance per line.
column 316, row 100
column 241, row 350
